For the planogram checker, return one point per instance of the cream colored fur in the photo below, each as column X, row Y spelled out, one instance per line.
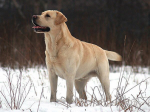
column 71, row 59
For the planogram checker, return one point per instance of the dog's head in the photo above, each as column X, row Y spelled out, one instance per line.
column 47, row 21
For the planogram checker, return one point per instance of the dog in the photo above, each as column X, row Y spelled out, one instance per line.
column 71, row 59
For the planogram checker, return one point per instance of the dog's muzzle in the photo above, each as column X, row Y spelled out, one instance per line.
column 38, row 28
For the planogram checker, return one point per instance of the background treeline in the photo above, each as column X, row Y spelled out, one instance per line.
column 102, row 22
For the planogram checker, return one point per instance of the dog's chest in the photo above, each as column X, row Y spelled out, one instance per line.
column 58, row 64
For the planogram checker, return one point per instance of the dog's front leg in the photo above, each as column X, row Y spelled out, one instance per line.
column 69, row 95
column 53, row 84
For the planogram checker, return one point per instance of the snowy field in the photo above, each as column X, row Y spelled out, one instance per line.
column 28, row 90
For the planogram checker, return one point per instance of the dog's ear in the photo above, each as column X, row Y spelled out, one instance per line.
column 60, row 18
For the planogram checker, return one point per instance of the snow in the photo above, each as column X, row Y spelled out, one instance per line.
column 39, row 78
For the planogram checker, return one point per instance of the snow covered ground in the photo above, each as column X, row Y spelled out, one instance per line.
column 39, row 94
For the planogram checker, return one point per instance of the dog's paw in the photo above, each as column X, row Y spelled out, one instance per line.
column 52, row 100
column 108, row 98
column 69, row 100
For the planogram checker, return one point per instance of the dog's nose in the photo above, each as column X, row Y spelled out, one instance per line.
column 34, row 16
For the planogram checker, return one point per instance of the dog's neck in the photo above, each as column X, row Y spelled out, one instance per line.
column 57, row 38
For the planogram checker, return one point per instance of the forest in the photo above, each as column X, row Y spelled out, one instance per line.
column 122, row 26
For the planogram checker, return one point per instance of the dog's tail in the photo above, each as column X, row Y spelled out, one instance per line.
column 113, row 56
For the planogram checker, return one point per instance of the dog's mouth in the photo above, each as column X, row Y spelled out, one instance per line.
column 38, row 28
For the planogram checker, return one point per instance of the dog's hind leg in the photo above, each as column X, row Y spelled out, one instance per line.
column 103, row 75
column 80, row 86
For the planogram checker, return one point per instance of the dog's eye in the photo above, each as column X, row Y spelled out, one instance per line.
column 47, row 15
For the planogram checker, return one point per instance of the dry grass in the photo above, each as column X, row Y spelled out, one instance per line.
column 15, row 92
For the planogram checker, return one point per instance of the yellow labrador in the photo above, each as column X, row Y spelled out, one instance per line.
column 71, row 59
